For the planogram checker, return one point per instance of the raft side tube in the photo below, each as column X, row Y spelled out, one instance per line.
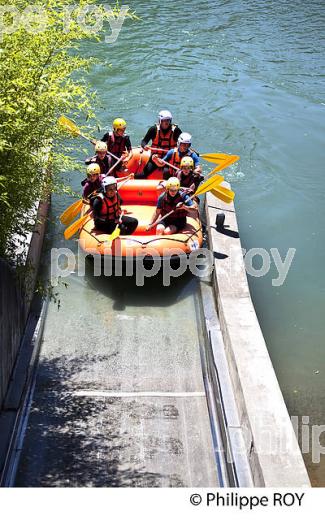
column 138, row 162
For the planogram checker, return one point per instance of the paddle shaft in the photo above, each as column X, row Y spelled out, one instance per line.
column 111, row 237
column 162, row 150
column 126, row 179
column 73, row 129
column 170, row 165
column 93, row 141
column 167, row 215
column 114, row 166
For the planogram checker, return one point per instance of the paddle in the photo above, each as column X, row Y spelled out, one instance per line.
column 231, row 159
column 73, row 229
column 218, row 157
column 114, row 166
column 71, row 212
column 215, row 158
column 156, row 149
column 116, row 233
column 223, row 194
column 208, row 185
column 75, row 131
column 226, row 160
column 170, row 165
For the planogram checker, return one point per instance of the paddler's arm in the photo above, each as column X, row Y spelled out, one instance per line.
column 160, row 162
column 154, row 218
column 197, row 181
column 150, row 135
column 97, row 206
column 105, row 137
column 197, row 166
column 187, row 203
column 129, row 176
column 127, row 154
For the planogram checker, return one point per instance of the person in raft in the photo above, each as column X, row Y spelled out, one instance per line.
column 93, row 182
column 163, row 135
column 107, row 210
column 101, row 158
column 118, row 143
column 172, row 199
column 188, row 179
column 175, row 155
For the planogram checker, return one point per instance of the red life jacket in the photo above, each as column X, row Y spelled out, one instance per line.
column 116, row 144
column 165, row 141
column 169, row 203
column 111, row 208
column 176, row 158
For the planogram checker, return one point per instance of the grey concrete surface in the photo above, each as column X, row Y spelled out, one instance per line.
column 271, row 446
column 16, row 297
column 235, row 456
column 119, row 398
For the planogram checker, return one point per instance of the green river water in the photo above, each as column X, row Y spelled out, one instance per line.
column 244, row 77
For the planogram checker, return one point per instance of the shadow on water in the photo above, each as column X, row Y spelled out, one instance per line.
column 75, row 441
column 153, row 293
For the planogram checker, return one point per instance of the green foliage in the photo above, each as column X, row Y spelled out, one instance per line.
column 41, row 77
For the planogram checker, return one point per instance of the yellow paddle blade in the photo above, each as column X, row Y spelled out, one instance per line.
column 223, row 194
column 73, row 229
column 71, row 212
column 116, row 233
column 209, row 184
column 215, row 157
column 69, row 125
column 230, row 160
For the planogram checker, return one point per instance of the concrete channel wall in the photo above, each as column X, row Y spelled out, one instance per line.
column 271, row 447
column 12, row 323
column 16, row 297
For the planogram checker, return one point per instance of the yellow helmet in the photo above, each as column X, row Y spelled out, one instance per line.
column 187, row 161
column 119, row 124
column 172, row 182
column 93, row 169
column 100, row 146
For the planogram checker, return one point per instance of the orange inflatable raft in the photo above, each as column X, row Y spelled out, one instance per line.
column 138, row 162
column 139, row 199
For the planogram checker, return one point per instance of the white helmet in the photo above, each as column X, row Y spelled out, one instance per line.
column 165, row 115
column 108, row 181
column 184, row 138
